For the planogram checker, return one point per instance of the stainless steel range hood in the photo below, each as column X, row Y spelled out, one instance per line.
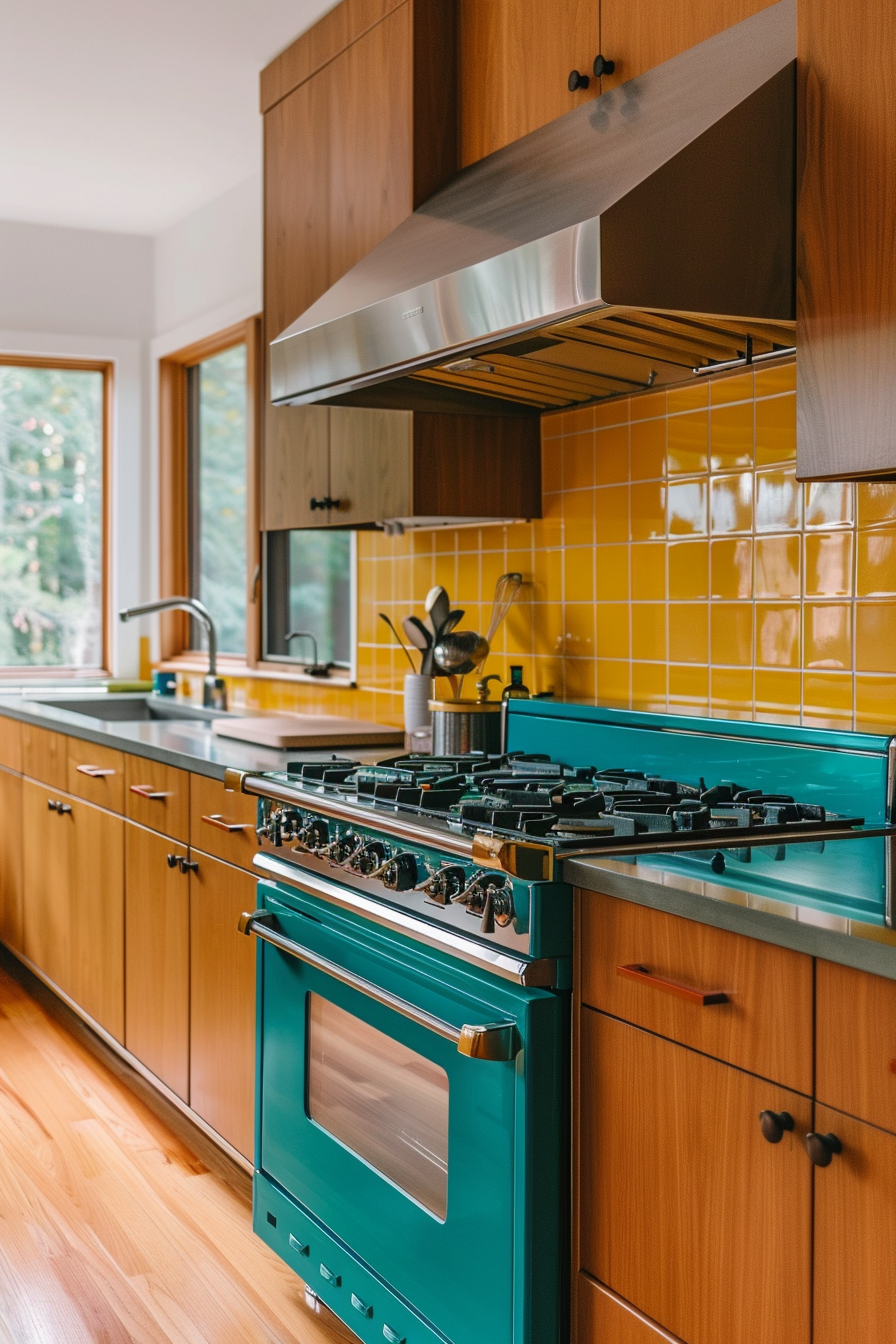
column 641, row 235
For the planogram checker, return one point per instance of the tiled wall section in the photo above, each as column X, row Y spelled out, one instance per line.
column 679, row 565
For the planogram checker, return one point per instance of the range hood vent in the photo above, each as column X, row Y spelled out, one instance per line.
column 641, row 236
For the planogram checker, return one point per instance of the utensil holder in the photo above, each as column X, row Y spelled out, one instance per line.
column 417, row 695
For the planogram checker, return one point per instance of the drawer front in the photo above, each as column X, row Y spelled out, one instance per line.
column 652, row 968
column 157, row 796
column 96, row 773
column 603, row 1318
column 11, row 744
column 856, row 1043
column 45, row 756
column 222, row 824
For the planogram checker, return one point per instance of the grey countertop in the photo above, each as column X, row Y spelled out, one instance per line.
column 851, row 942
column 188, row 744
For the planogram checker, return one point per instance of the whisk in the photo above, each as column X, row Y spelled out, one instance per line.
column 506, row 590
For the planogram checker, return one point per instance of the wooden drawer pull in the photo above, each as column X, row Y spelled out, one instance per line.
column 217, row 820
column 643, row 977
column 94, row 771
column 146, row 791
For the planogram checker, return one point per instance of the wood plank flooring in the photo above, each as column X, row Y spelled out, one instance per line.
column 111, row 1229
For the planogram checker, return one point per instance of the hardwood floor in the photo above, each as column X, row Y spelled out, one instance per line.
column 111, row 1229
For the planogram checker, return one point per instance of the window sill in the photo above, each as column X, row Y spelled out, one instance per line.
column 234, row 667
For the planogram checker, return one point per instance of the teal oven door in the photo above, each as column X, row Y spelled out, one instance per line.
column 416, row 1187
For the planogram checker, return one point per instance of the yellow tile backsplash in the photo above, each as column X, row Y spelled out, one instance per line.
column 679, row 566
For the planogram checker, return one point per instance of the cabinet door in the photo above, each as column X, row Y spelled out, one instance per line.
column 96, row 917
column 846, row 214
column 157, row 957
column 11, row 861
column 296, row 466
column 639, row 34
column 855, row 1033
column 855, row 1234
column 685, row 1210
column 370, row 465
column 45, row 756
column 46, row 843
column 222, row 1002
column 515, row 65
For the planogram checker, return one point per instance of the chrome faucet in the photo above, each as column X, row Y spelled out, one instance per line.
column 214, row 691
column 317, row 668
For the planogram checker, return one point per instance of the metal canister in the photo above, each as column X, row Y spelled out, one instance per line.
column 464, row 725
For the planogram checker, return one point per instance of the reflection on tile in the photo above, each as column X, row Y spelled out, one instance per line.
column 648, row 510
column 829, row 503
column 828, row 695
column 687, row 508
column 876, row 502
column 689, row 689
column 778, row 636
column 876, row 702
column 733, row 387
column 648, row 406
column 687, row 444
column 776, row 430
column 777, row 694
column 688, row 396
column 731, row 568
column 875, row 637
column 731, row 691
column 828, row 564
column 876, row 563
column 774, row 378
column 777, row 501
column 828, row 635
column 776, row 566
column 648, row 449
column 731, row 436
column 731, row 503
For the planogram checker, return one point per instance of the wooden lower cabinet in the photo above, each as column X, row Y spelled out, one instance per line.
column 685, row 1210
column 46, row 847
column 603, row 1318
column 222, row 1002
column 11, row 911
column 855, row 1235
column 96, row 914
column 157, row 957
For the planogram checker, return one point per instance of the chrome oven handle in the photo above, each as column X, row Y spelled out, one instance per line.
column 493, row 1040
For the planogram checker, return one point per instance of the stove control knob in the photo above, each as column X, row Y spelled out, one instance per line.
column 502, row 905
column 368, row 858
column 443, row 886
column 342, row 847
column 290, row 822
column 314, row 835
column 400, row 873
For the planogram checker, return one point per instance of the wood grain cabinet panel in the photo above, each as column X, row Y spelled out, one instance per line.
column 157, row 957
column 46, row 850
column 96, row 774
column 221, row 823
column 855, row 1235
column 686, row 1211
column 765, row 1023
column 297, row 466
column 639, row 34
column 370, row 465
column 96, row 914
column 157, row 796
column 45, row 756
column 11, row 910
column 855, row 1028
column 222, row 1002
column 846, row 217
column 515, row 62
column 11, row 744
column 603, row 1318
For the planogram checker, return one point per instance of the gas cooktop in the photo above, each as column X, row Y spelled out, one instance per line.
column 526, row 795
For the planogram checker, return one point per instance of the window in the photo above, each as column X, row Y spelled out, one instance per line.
column 53, row 501
column 212, row 543
column 216, row 393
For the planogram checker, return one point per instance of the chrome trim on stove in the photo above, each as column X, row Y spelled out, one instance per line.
column 891, row 781
column 541, row 973
column 492, row 1040
column 674, row 842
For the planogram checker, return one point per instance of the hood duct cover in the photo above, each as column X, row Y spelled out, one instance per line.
column 637, row 237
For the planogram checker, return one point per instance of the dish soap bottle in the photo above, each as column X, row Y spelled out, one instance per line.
column 515, row 690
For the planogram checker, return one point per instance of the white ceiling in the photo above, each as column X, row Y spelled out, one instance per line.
column 128, row 116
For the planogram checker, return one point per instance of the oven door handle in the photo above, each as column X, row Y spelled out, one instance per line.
column 492, row 1040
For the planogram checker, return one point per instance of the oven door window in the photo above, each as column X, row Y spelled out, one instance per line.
column 380, row 1099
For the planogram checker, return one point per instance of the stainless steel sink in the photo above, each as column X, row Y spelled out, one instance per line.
column 130, row 709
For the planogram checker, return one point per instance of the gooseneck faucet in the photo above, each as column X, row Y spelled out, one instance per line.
column 214, row 691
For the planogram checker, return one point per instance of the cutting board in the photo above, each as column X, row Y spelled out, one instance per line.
column 308, row 730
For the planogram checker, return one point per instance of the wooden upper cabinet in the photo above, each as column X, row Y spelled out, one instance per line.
column 686, row 1210
column 846, row 221
column 636, row 35
column 370, row 465
column 296, row 466
column 515, row 62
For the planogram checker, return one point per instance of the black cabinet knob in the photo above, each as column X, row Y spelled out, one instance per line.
column 774, row 1123
column 317, row 504
column 577, row 81
column 63, row 809
column 188, row 865
column 822, row 1147
column 603, row 67
column 52, row 805
column 172, row 860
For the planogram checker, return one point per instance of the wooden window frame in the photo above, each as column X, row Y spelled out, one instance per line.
column 105, row 367
column 174, row 501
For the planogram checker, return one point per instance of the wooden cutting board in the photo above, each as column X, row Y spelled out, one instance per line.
column 308, row 730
